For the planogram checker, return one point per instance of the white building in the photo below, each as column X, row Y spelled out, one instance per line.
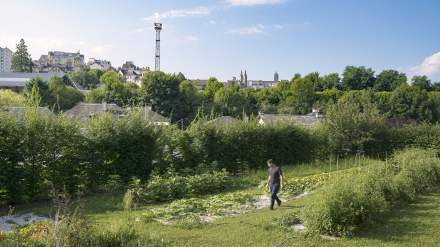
column 261, row 84
column 133, row 73
column 5, row 59
column 99, row 64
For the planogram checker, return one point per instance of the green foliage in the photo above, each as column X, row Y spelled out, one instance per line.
column 356, row 78
column 21, row 60
column 162, row 91
column 388, row 80
column 212, row 86
column 302, row 97
column 330, row 81
column 41, row 87
column 421, row 82
column 9, row 98
column 173, row 186
column 231, row 102
column 38, row 153
column 124, row 147
column 354, row 127
column 411, row 102
column 187, row 212
column 54, row 93
column 62, row 97
column 114, row 90
column 364, row 197
column 85, row 77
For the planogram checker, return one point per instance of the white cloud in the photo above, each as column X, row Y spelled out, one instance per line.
column 179, row 13
column 257, row 29
column 253, row 2
column 191, row 38
column 429, row 67
column 279, row 27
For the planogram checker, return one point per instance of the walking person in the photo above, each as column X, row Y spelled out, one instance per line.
column 274, row 183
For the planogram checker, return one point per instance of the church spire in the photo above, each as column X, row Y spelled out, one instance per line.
column 245, row 78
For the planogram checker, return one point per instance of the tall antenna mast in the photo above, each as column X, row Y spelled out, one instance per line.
column 158, row 28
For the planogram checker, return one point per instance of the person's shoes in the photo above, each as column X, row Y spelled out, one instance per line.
column 270, row 208
column 279, row 203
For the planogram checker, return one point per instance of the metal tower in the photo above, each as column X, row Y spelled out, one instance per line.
column 158, row 28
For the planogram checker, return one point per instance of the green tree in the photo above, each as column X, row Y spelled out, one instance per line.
column 353, row 127
column 162, row 92
column 302, row 97
column 421, row 82
column 212, row 86
column 117, row 91
column 21, row 60
column 191, row 100
column 85, row 77
column 388, row 80
column 330, row 81
column 411, row 102
column 230, row 101
column 42, row 89
column 62, row 97
column 314, row 78
column 356, row 78
column 434, row 104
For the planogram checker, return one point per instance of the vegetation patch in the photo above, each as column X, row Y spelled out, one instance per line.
column 365, row 197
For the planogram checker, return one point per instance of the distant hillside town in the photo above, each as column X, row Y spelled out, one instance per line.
column 61, row 62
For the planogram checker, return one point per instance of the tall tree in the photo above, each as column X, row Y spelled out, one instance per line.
column 356, row 78
column 162, row 91
column 21, row 60
column 421, row 82
column 410, row 102
column 388, row 80
column 330, row 81
column 212, row 86
column 37, row 84
column 302, row 98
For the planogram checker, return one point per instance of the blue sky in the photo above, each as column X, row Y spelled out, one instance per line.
column 221, row 37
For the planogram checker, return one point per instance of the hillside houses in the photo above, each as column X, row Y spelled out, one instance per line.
column 132, row 73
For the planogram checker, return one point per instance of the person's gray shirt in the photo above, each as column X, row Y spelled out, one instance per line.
column 275, row 173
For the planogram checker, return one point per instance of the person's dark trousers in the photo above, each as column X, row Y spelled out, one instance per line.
column 274, row 188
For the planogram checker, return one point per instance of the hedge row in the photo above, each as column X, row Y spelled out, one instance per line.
column 40, row 152
column 365, row 197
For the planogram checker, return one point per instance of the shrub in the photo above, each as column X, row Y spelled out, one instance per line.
column 365, row 197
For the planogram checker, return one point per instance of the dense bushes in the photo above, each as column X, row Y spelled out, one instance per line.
column 36, row 153
column 365, row 197
column 242, row 147
column 40, row 152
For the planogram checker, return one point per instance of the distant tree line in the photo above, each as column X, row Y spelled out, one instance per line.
column 390, row 91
